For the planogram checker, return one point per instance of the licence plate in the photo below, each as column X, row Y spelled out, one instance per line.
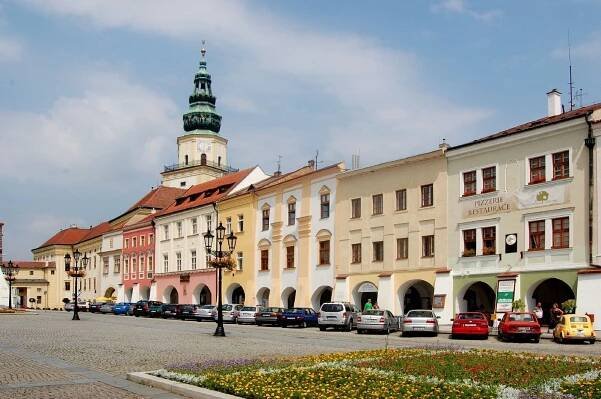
column 290, row 318
column 524, row 329
column 331, row 317
column 469, row 325
column 418, row 328
column 265, row 314
column 580, row 333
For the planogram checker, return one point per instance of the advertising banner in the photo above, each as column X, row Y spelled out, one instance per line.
column 505, row 295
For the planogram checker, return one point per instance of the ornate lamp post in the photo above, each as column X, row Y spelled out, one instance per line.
column 76, row 272
column 10, row 272
column 219, row 259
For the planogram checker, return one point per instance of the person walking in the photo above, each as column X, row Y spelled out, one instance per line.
column 538, row 312
column 555, row 315
column 368, row 305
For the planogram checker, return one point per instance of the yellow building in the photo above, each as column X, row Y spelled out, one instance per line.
column 391, row 232
column 33, row 283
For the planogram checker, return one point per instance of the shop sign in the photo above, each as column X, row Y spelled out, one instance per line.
column 551, row 195
column 505, row 295
column 500, row 203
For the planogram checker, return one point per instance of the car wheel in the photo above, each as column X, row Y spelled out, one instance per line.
column 304, row 324
column 453, row 336
column 322, row 328
column 592, row 341
column 359, row 331
column 485, row 337
column 258, row 324
column 284, row 325
column 560, row 340
column 536, row 340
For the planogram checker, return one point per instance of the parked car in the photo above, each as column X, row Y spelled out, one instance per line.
column 230, row 312
column 204, row 312
column 143, row 307
column 82, row 306
column 420, row 321
column 302, row 317
column 519, row 325
column 69, row 306
column 573, row 327
column 155, row 309
column 95, row 307
column 186, row 311
column 378, row 320
column 168, row 310
column 472, row 324
column 268, row 316
column 339, row 315
column 248, row 314
column 121, row 308
column 107, row 308
column 131, row 310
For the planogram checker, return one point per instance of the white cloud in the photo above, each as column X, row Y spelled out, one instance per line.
column 461, row 7
column 115, row 127
column 11, row 49
column 377, row 94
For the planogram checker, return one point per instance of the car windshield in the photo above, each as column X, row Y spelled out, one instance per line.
column 374, row 312
column 248, row 308
column 332, row 307
column 578, row 319
column 520, row 317
column 207, row 307
column 470, row 316
column 226, row 307
column 273, row 310
column 420, row 313
column 296, row 310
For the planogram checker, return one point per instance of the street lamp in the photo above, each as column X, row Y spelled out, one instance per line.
column 10, row 272
column 77, row 271
column 219, row 259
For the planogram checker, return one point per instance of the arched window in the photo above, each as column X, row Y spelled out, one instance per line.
column 203, row 159
column 186, row 159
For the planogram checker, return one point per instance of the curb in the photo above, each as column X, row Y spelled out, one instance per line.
column 178, row 388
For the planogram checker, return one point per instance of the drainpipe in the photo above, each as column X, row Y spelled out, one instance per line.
column 589, row 141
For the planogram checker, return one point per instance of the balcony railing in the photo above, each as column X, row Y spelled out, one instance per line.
column 177, row 166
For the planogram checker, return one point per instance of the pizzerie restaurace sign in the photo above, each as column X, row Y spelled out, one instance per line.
column 488, row 206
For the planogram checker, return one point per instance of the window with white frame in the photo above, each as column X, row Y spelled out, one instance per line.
column 178, row 261
column 126, row 268
column 228, row 225
column 479, row 181
column 401, row 199
column 134, row 266
column 291, row 213
column 142, row 239
column 240, row 223
column 548, row 167
column 165, row 263
column 165, row 232
column 265, row 219
column 240, row 260
column 134, row 242
column 117, row 262
column 150, row 268
column 479, row 240
column 193, row 259
column 142, row 267
column 402, row 248
column 105, row 265
column 549, row 231
column 180, row 232
column 127, row 243
column 209, row 222
column 194, row 222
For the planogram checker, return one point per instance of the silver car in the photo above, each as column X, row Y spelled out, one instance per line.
column 204, row 312
column 420, row 321
column 378, row 320
column 248, row 313
column 230, row 312
column 339, row 315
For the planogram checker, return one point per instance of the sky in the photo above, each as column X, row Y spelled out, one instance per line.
column 92, row 92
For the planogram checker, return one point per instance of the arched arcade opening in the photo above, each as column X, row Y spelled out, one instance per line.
column 263, row 296
column 202, row 295
column 550, row 291
column 288, row 297
column 415, row 294
column 365, row 292
column 478, row 297
column 321, row 295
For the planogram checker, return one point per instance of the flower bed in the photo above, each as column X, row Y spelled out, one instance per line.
column 406, row 373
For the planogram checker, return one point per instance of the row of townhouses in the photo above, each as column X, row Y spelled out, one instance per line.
column 513, row 215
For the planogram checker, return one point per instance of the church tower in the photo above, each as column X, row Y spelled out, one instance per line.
column 202, row 152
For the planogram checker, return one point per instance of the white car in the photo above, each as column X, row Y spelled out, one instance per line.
column 230, row 312
column 378, row 320
column 248, row 313
column 204, row 312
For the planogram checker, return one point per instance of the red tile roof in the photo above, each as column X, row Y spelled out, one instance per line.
column 69, row 236
column 205, row 193
column 96, row 231
column 27, row 264
column 546, row 121
column 158, row 198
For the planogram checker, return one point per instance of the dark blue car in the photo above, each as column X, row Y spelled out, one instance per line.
column 302, row 317
column 121, row 308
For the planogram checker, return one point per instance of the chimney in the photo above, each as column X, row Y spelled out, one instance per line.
column 277, row 173
column 553, row 103
column 443, row 146
column 311, row 164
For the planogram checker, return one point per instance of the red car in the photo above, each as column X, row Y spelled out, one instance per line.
column 470, row 324
column 515, row 325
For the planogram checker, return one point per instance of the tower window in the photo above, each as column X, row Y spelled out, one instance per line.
column 218, row 161
column 202, row 85
column 203, row 159
column 182, row 184
column 186, row 159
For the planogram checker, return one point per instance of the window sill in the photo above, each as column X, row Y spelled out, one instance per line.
column 193, row 235
column 402, row 258
column 548, row 251
column 165, row 240
column 428, row 257
column 377, row 261
column 289, row 268
column 400, row 210
column 426, row 207
column 536, row 185
column 178, row 238
column 479, row 195
column 356, row 263
column 323, row 264
column 263, row 270
column 468, row 194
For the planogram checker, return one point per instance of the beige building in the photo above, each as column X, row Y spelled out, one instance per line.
column 33, row 282
column 391, row 227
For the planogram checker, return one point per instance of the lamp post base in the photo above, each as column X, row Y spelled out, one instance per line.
column 219, row 331
column 75, row 316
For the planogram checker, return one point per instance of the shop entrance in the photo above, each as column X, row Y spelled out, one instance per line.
column 551, row 291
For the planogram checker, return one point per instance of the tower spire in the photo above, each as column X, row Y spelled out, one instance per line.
column 201, row 113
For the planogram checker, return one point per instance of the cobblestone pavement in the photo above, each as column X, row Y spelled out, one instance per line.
column 46, row 355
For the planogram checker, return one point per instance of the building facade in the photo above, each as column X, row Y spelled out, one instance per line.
column 391, row 224
column 32, row 285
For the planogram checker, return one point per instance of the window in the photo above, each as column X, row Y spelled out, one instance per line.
column 105, row 265
column 134, row 268
column 178, row 261
column 194, row 222
column 402, row 248
column 378, row 248
column 228, row 225
column 240, row 223
column 179, row 229
column 94, row 281
column 240, row 260
column 193, row 259
column 127, row 243
column 427, row 195
column 264, row 259
column 126, row 267
column 561, row 232
column 165, row 263
column 209, row 221
column 469, row 242
column 428, row 246
column 150, row 266
column 537, row 169
column 291, row 213
column 142, row 264
column 377, row 204
column 290, row 257
column 537, row 235
column 166, row 232
column 265, row 219
column 85, row 285
column 31, row 272
column 469, row 183
column 324, row 252
column 489, row 179
column 356, row 253
column 325, row 206
column 489, row 240
column 133, row 242
column 111, row 243
column 52, row 272
column 151, row 238
column 356, row 208
column 561, row 165
column 401, row 199
column 142, row 239
column 117, row 261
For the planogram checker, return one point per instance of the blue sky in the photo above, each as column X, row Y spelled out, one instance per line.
column 92, row 92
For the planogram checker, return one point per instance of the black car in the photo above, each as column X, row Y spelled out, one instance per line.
column 185, row 312
column 169, row 311
column 143, row 307
column 95, row 307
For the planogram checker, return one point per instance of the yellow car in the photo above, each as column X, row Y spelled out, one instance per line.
column 573, row 327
